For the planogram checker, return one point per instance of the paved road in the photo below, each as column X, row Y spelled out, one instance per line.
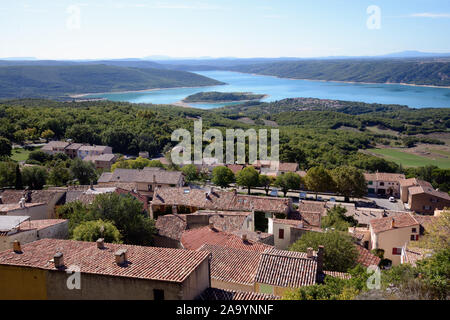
column 385, row 203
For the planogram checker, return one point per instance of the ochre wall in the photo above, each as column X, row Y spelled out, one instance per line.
column 19, row 283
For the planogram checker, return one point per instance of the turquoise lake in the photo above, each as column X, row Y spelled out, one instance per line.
column 278, row 88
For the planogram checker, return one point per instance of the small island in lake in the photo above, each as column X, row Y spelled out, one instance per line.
column 217, row 97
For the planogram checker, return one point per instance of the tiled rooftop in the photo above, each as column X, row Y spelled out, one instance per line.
column 195, row 238
column 173, row 265
column 213, row 294
column 366, row 258
column 284, row 269
column 233, row 265
column 147, row 176
column 218, row 200
column 390, row 223
column 382, row 176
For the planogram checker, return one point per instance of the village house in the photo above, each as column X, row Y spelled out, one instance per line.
column 392, row 233
column 103, row 161
column 189, row 200
column 40, row 269
column 25, row 230
column 72, row 150
column 411, row 254
column 36, row 211
column 426, row 200
column 145, row 180
column 94, row 150
column 171, row 226
column 38, row 204
column 384, row 183
column 286, row 232
column 413, row 182
column 54, row 147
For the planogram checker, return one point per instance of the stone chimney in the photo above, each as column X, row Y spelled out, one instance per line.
column 101, row 243
column 17, row 247
column 58, row 259
column 320, row 253
column 309, row 253
column 393, row 223
column 22, row 202
column 244, row 237
column 121, row 256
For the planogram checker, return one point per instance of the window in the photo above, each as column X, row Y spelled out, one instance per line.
column 397, row 251
column 149, row 187
column 370, row 182
column 414, row 237
column 414, row 230
column 158, row 294
column 426, row 208
column 281, row 233
column 381, row 183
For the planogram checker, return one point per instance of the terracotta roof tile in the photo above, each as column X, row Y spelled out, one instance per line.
column 366, row 258
column 336, row 274
column 383, row 176
column 390, row 223
column 173, row 265
column 288, row 167
column 213, row 294
column 233, row 265
column 282, row 268
column 146, row 175
column 219, row 200
column 195, row 238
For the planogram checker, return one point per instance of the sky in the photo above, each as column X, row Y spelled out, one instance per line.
column 100, row 29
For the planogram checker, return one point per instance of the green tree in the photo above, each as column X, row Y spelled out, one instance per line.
column 47, row 134
column 93, row 230
column 34, row 177
column 76, row 212
column 39, row 156
column 128, row 216
column 222, row 176
column 350, row 182
column 5, row 147
column 190, row 172
column 337, row 219
column 288, row 181
column 18, row 179
column 59, row 176
column 84, row 171
column 319, row 180
column 7, row 174
column 265, row 182
column 333, row 288
column 247, row 177
column 437, row 234
column 340, row 251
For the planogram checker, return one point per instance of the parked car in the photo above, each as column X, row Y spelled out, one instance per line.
column 274, row 192
column 302, row 195
column 332, row 199
column 392, row 199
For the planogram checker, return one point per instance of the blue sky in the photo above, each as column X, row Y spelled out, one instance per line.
column 65, row 29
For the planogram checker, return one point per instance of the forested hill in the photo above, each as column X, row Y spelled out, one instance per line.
column 61, row 81
column 376, row 71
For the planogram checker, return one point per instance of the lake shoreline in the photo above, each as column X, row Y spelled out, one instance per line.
column 351, row 82
column 81, row 95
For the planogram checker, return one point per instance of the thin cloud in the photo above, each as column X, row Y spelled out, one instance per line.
column 430, row 15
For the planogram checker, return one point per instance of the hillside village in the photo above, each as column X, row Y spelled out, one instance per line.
column 208, row 241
